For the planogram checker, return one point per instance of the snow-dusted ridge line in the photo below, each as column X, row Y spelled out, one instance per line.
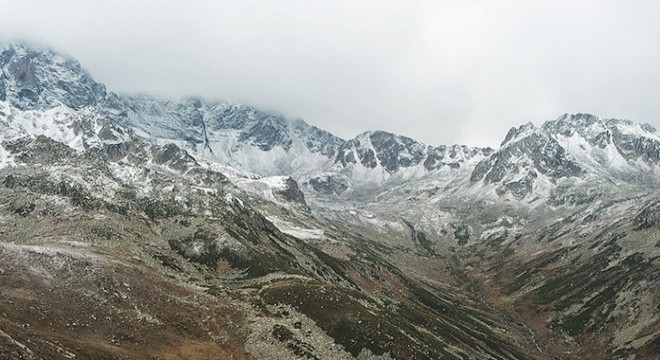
column 45, row 93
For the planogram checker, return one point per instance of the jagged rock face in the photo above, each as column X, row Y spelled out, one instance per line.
column 633, row 141
column 462, row 233
column 390, row 151
column 40, row 79
column 260, row 129
column 291, row 192
column 117, row 150
column 578, row 145
column 111, row 133
column 21, row 71
column 239, row 117
column 633, row 147
column 317, row 140
column 454, row 156
column 329, row 184
column 189, row 111
column 3, row 91
column 393, row 153
column 266, row 135
column 593, row 129
column 173, row 157
column 534, row 152
column 649, row 217
column 354, row 152
column 159, row 117
column 242, row 136
column 40, row 150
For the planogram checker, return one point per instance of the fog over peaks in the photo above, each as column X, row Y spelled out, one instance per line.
column 440, row 72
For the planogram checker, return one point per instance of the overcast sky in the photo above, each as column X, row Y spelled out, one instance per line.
column 442, row 72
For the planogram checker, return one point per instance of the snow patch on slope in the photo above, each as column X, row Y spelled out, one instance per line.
column 59, row 123
column 594, row 156
column 296, row 231
column 6, row 159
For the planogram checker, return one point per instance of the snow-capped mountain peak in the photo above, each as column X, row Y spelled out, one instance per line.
column 517, row 133
column 580, row 146
column 33, row 78
column 42, row 90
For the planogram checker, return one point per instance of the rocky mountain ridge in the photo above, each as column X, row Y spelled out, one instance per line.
column 530, row 159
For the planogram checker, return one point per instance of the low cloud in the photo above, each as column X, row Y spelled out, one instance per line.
column 441, row 72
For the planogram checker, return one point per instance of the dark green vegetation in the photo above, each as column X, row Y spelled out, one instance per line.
column 602, row 292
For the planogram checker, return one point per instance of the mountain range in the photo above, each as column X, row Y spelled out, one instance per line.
column 133, row 226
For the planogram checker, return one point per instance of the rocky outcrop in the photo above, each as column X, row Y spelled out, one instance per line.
column 291, row 192
column 36, row 78
column 329, row 184
column 394, row 153
column 649, row 217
